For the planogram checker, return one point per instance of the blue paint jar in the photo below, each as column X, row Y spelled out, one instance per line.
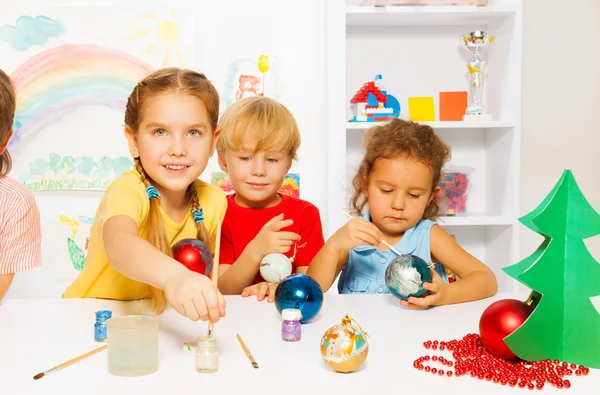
column 100, row 325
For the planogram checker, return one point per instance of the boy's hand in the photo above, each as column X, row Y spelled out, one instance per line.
column 436, row 292
column 270, row 239
column 261, row 290
column 357, row 231
column 194, row 296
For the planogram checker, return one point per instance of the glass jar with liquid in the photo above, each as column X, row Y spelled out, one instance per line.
column 207, row 356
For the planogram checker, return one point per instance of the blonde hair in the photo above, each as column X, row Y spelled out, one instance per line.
column 400, row 139
column 7, row 115
column 163, row 81
column 274, row 126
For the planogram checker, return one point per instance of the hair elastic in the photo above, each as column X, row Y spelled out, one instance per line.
column 198, row 215
column 152, row 192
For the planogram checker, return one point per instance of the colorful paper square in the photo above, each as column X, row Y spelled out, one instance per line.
column 453, row 105
column 420, row 109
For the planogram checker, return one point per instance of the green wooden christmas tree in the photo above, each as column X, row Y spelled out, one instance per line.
column 565, row 325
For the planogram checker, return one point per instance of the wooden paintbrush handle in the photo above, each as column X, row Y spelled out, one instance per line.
column 84, row 356
column 215, row 268
column 391, row 247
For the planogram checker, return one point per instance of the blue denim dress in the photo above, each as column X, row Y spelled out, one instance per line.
column 365, row 270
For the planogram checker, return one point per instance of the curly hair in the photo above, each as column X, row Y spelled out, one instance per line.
column 400, row 139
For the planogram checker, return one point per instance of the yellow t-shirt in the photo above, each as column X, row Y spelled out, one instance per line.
column 127, row 196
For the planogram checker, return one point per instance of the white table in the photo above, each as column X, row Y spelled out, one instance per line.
column 36, row 335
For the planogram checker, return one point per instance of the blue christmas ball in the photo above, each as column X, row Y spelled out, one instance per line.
column 299, row 291
column 405, row 276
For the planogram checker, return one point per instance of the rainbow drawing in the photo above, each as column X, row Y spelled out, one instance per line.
column 58, row 81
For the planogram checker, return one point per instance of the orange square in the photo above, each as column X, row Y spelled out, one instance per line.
column 453, row 105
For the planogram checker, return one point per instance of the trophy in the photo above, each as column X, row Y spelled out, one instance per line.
column 474, row 43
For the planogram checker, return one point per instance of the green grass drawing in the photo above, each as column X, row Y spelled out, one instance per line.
column 76, row 254
column 63, row 173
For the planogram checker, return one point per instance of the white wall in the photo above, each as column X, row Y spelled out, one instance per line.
column 561, row 99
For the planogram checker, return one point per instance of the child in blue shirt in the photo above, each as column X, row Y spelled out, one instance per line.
column 397, row 182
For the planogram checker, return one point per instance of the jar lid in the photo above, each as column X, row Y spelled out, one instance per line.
column 206, row 340
column 190, row 347
column 291, row 314
column 103, row 315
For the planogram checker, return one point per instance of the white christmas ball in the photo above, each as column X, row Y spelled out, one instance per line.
column 275, row 267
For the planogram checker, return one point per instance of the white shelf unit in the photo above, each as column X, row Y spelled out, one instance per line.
column 417, row 51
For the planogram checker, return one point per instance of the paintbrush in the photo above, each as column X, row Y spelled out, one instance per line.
column 215, row 271
column 391, row 247
column 69, row 362
column 247, row 352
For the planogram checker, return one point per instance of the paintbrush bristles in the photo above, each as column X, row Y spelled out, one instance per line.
column 391, row 247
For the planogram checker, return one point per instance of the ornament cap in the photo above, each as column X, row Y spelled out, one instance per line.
column 347, row 321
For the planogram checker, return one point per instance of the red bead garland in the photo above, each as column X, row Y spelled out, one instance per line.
column 472, row 358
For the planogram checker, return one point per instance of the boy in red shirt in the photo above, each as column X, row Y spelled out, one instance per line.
column 259, row 139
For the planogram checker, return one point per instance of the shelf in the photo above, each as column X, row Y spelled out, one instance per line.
column 476, row 220
column 439, row 125
column 426, row 15
column 360, row 36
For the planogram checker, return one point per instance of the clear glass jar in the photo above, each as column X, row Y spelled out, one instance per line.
column 207, row 356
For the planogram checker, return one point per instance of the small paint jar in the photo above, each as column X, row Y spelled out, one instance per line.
column 100, row 325
column 207, row 356
column 291, row 328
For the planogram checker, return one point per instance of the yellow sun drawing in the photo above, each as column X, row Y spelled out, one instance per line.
column 166, row 36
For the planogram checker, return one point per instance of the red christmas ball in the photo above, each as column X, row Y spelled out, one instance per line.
column 499, row 320
column 193, row 254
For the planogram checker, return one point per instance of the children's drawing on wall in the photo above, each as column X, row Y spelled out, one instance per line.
column 167, row 36
column 78, row 240
column 251, row 77
column 73, row 69
column 66, row 224
column 29, row 31
column 70, row 101
column 290, row 187
column 61, row 173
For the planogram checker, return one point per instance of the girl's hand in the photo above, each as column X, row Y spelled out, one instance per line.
column 436, row 291
column 356, row 232
column 261, row 290
column 194, row 296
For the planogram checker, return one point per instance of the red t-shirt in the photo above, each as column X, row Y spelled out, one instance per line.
column 242, row 224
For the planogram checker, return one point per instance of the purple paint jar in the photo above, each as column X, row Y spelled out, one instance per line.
column 291, row 328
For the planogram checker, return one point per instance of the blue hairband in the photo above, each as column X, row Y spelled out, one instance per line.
column 152, row 192
column 198, row 215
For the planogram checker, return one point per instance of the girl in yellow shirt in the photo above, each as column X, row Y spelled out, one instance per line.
column 171, row 127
